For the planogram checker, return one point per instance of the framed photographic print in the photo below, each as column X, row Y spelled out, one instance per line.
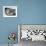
column 9, row 11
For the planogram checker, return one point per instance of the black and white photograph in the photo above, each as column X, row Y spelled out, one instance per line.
column 9, row 11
